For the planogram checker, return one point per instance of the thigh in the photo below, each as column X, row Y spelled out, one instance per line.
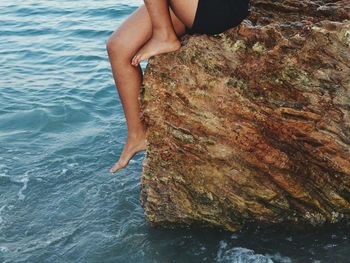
column 185, row 10
column 136, row 30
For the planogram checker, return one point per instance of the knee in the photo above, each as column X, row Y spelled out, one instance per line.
column 112, row 45
column 115, row 46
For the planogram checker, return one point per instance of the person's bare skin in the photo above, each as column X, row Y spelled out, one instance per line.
column 150, row 30
column 164, row 38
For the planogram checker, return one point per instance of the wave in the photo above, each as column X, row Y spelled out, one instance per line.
column 245, row 255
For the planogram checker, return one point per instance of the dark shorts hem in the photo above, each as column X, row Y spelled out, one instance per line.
column 215, row 16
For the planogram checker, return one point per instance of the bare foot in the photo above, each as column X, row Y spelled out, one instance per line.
column 155, row 46
column 132, row 146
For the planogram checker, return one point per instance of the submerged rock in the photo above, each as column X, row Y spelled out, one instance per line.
column 252, row 125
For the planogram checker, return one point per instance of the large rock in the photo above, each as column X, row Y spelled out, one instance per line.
column 252, row 125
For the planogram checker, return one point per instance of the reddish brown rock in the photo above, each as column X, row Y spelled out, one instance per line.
column 252, row 125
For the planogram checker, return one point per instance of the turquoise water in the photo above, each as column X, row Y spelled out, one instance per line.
column 62, row 127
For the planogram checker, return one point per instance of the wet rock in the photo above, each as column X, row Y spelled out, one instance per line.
column 252, row 125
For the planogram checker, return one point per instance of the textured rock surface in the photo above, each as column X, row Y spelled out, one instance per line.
column 252, row 125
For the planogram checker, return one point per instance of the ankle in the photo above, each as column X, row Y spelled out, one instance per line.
column 164, row 34
column 137, row 135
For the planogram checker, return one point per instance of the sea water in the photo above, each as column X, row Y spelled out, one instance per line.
column 62, row 127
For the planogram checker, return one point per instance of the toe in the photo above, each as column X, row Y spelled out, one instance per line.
column 114, row 168
column 140, row 58
column 137, row 60
column 117, row 166
column 133, row 61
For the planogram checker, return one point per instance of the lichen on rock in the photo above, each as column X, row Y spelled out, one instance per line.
column 253, row 124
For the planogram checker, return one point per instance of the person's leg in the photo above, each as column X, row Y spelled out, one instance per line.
column 121, row 47
column 164, row 39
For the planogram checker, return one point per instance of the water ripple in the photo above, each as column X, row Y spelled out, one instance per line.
column 62, row 126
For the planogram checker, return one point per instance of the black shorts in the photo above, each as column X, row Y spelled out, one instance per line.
column 215, row 16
